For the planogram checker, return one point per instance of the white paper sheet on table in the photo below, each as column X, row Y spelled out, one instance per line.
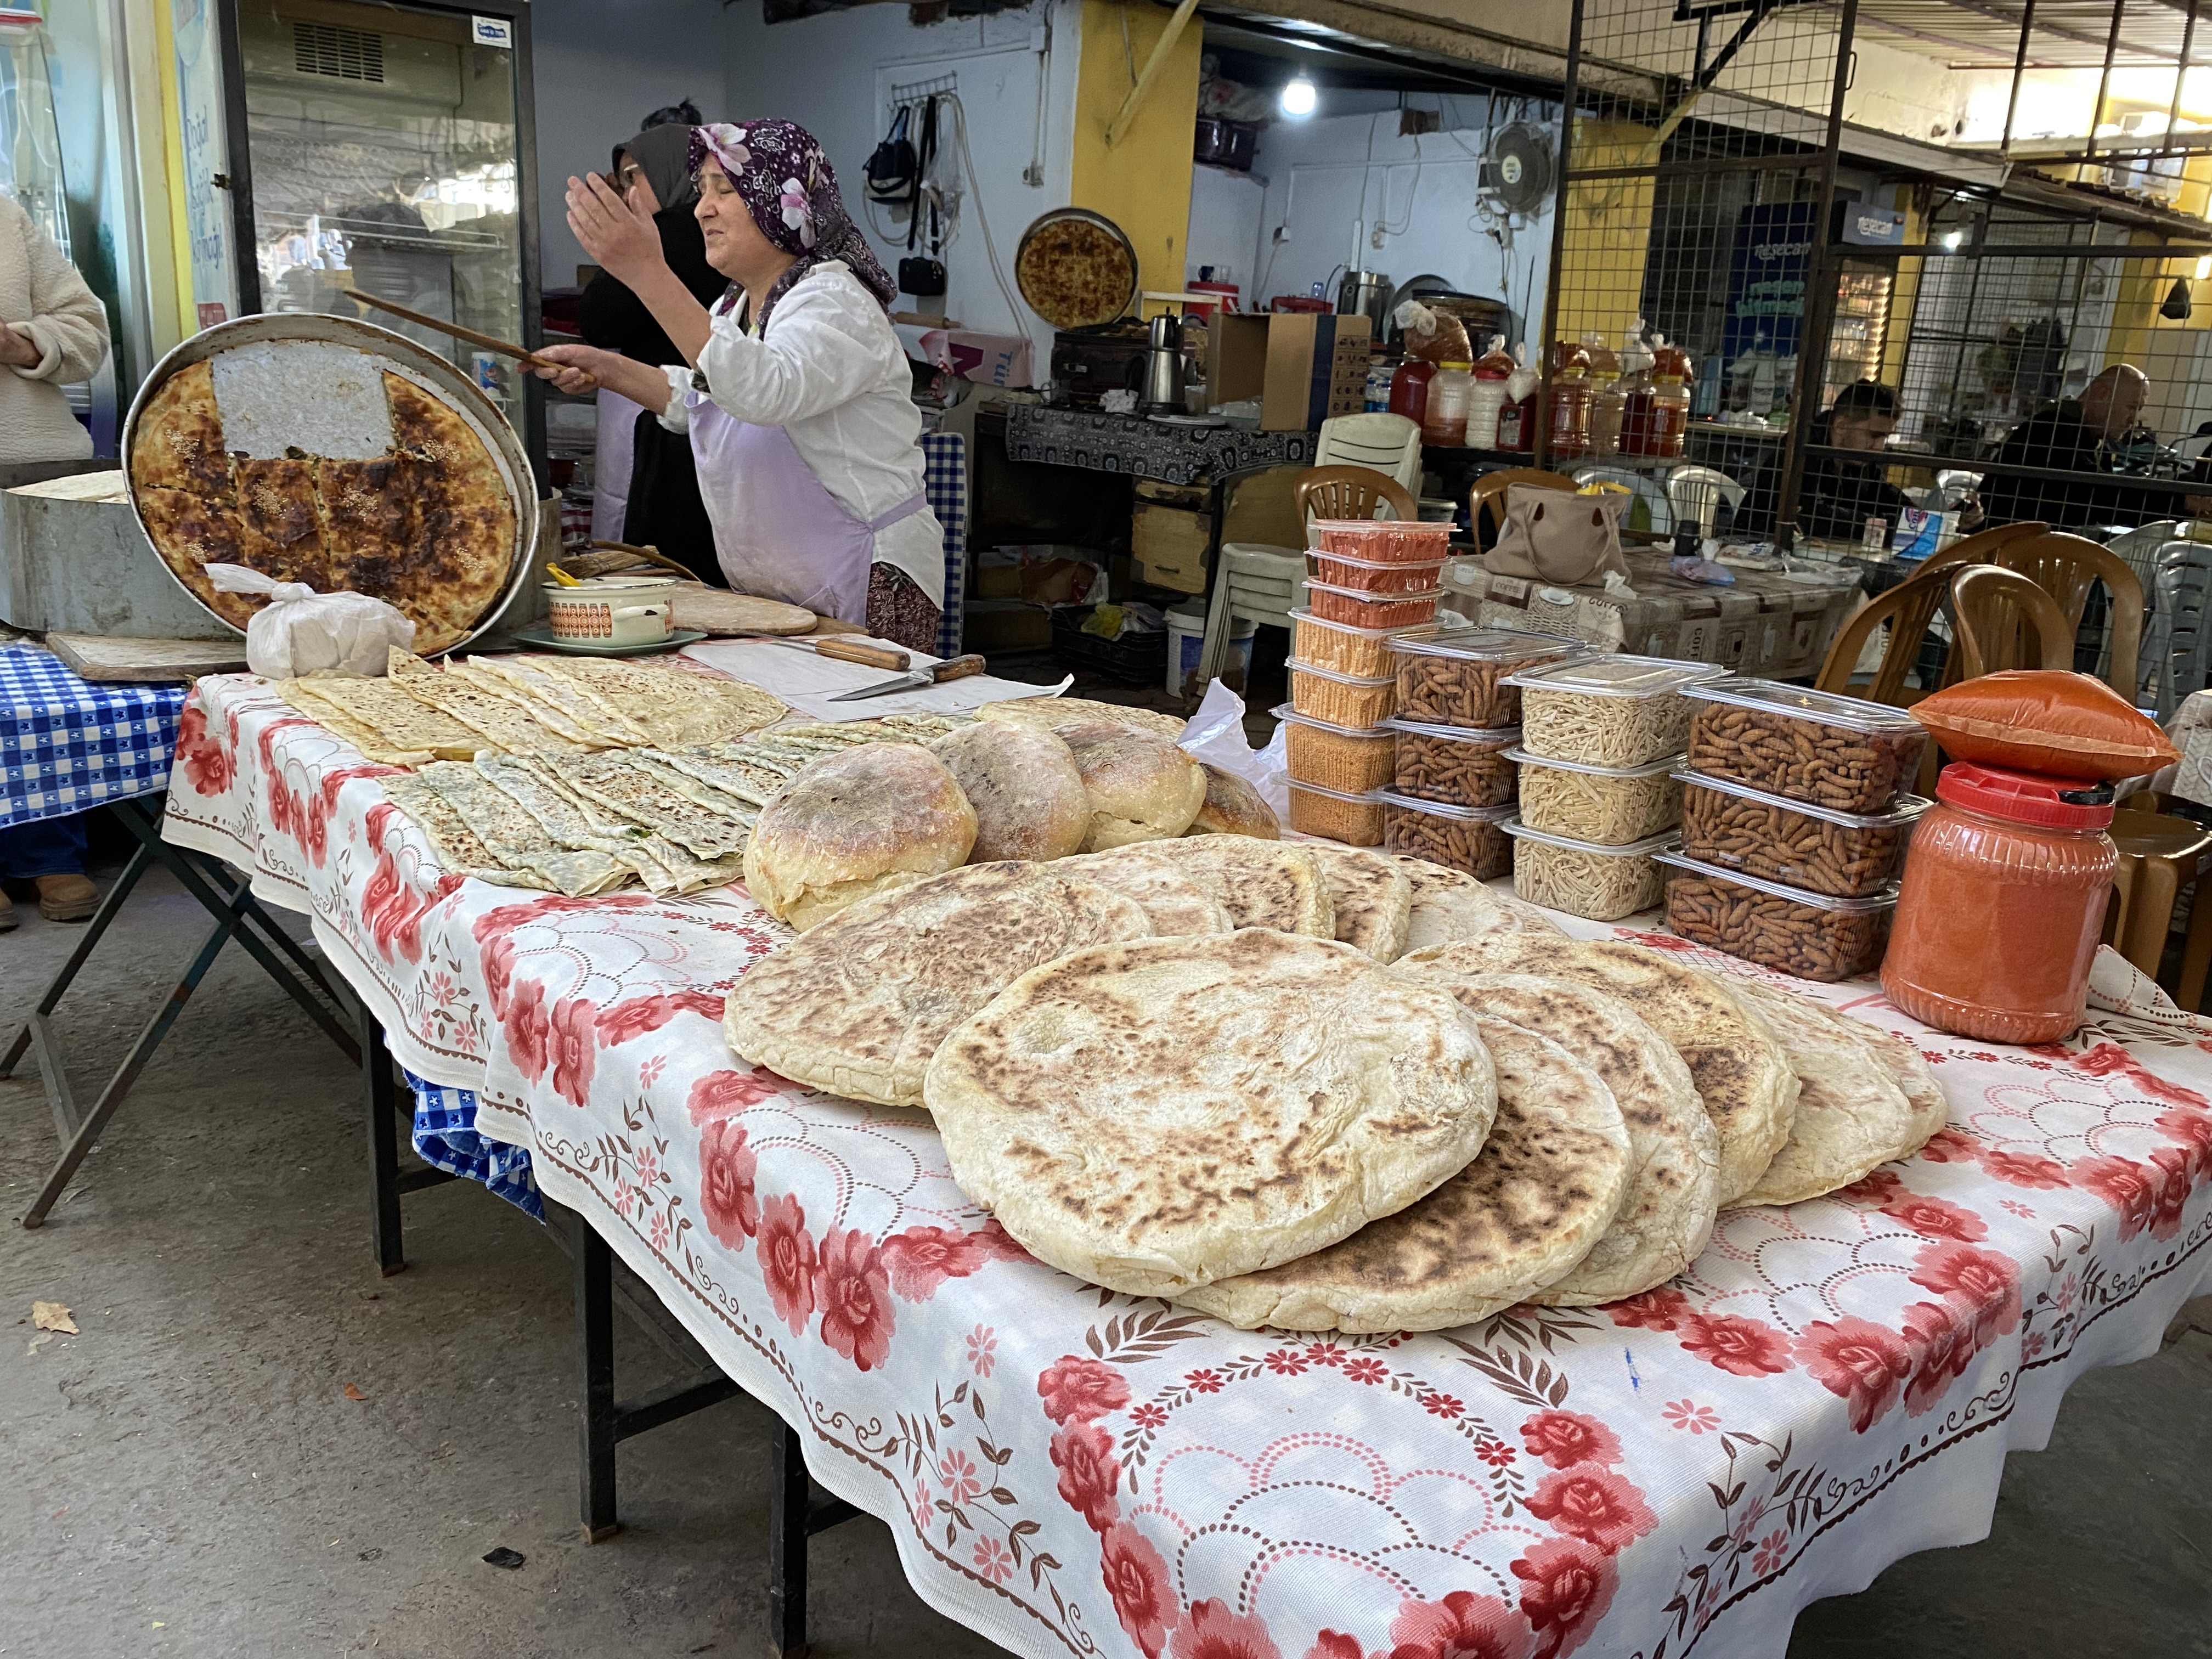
column 808, row 681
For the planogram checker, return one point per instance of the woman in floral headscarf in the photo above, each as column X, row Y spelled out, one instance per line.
column 798, row 398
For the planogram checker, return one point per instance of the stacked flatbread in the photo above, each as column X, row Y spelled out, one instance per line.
column 429, row 526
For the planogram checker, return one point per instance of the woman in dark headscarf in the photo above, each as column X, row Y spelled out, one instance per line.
column 652, row 175
column 800, row 413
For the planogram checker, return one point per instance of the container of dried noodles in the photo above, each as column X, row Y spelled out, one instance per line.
column 1599, row 883
column 1608, row 711
column 1611, row 805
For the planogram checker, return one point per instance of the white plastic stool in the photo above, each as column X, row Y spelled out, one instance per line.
column 1260, row 584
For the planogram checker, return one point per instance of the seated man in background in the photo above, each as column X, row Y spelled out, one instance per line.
column 1836, row 497
column 2077, row 434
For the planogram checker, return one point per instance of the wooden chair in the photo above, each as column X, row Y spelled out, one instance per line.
column 2066, row 567
column 1995, row 611
column 1488, row 494
column 1907, row 609
column 1353, row 492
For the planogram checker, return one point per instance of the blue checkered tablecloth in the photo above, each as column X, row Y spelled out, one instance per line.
column 945, row 482
column 66, row 744
column 445, row 1138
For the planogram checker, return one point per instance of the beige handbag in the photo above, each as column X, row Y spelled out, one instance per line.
column 1556, row 536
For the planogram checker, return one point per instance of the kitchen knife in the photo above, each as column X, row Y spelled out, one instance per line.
column 953, row 668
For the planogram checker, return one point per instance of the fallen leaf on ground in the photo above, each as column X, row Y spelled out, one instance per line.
column 504, row 1557
column 52, row 1316
column 352, row 1393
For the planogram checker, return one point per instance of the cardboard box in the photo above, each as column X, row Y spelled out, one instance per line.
column 1170, row 534
column 1005, row 625
column 1303, row 368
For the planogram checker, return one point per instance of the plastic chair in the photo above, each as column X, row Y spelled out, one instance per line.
column 1260, row 584
column 1388, row 443
column 1488, row 494
column 1976, row 548
column 1907, row 609
column 1696, row 494
column 1658, row 512
column 1993, row 610
column 2175, row 649
column 2141, row 547
column 2160, row 855
column 1353, row 492
column 2066, row 567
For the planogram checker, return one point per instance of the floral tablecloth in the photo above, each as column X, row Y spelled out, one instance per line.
column 1069, row 1471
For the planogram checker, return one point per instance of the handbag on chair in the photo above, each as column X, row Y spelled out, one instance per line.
column 1557, row 537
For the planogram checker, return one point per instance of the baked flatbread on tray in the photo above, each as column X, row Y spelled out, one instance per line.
column 859, row 1004
column 280, row 532
column 501, row 724
column 1370, row 895
column 1174, row 904
column 371, row 518
column 1742, row 1073
column 460, row 851
column 1450, row 904
column 517, row 839
column 1276, row 884
column 1852, row 1116
column 178, row 442
column 190, row 532
column 1540, row 1192
column 1674, row 1152
column 1156, row 1116
column 463, row 524
column 676, row 707
column 403, row 724
column 1053, row 712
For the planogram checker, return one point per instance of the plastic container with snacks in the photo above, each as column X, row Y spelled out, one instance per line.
column 1814, row 936
column 1341, row 570
column 1349, row 700
column 1385, row 540
column 1469, row 839
column 1583, row 878
column 1454, row 764
column 1354, row 759
column 2004, row 896
column 1461, row 679
column 1814, row 746
column 1609, row 711
column 1349, row 604
column 1610, row 806
column 1344, row 647
column 1355, row 819
column 1843, row 854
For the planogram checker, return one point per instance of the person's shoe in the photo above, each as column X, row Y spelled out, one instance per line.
column 8, row 917
column 67, row 898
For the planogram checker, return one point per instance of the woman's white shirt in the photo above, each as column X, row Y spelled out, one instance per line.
column 830, row 371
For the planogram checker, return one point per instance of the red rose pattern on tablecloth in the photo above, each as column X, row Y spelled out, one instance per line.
column 1961, row 1254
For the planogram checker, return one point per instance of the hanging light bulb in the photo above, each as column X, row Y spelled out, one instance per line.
column 1299, row 96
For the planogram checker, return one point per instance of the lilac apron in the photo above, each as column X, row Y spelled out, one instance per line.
column 778, row 533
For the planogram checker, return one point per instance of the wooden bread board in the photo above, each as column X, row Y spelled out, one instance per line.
column 101, row 658
column 718, row 611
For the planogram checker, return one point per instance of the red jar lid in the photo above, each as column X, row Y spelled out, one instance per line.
column 2025, row 797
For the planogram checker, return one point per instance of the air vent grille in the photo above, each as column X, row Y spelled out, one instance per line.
column 342, row 53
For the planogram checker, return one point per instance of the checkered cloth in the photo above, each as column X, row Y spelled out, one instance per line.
column 66, row 746
column 945, row 480
column 445, row 1138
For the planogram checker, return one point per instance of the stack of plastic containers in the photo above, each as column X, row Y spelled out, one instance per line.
column 1601, row 739
column 1372, row 581
column 1795, row 826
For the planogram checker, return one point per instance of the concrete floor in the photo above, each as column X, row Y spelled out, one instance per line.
column 188, row 1476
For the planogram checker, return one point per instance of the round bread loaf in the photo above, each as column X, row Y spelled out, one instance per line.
column 859, row 1006
column 853, row 824
column 1053, row 712
column 1542, row 1191
column 1450, row 904
column 1155, row 1115
column 1142, row 787
column 1852, row 1116
column 1371, row 897
column 1233, row 807
column 1028, row 799
column 1742, row 1073
column 1674, row 1152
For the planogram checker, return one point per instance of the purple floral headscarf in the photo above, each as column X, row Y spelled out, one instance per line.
column 789, row 187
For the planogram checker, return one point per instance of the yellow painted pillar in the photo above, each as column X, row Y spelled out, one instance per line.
column 1143, row 183
column 2143, row 285
column 170, row 184
column 1608, row 235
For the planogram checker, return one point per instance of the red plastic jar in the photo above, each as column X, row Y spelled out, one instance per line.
column 1409, row 388
column 2004, row 896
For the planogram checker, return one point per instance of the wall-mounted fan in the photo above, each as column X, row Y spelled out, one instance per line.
column 1517, row 170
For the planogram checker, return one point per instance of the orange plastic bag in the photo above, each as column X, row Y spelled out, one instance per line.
column 2047, row 720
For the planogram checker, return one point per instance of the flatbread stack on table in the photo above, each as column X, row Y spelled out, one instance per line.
column 1288, row 1083
column 428, row 526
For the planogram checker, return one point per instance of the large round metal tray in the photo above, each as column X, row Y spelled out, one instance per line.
column 1057, row 216
column 409, row 362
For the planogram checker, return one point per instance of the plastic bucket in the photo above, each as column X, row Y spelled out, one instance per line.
column 1187, row 638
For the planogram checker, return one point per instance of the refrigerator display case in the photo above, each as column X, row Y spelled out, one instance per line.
column 1860, row 333
column 388, row 149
